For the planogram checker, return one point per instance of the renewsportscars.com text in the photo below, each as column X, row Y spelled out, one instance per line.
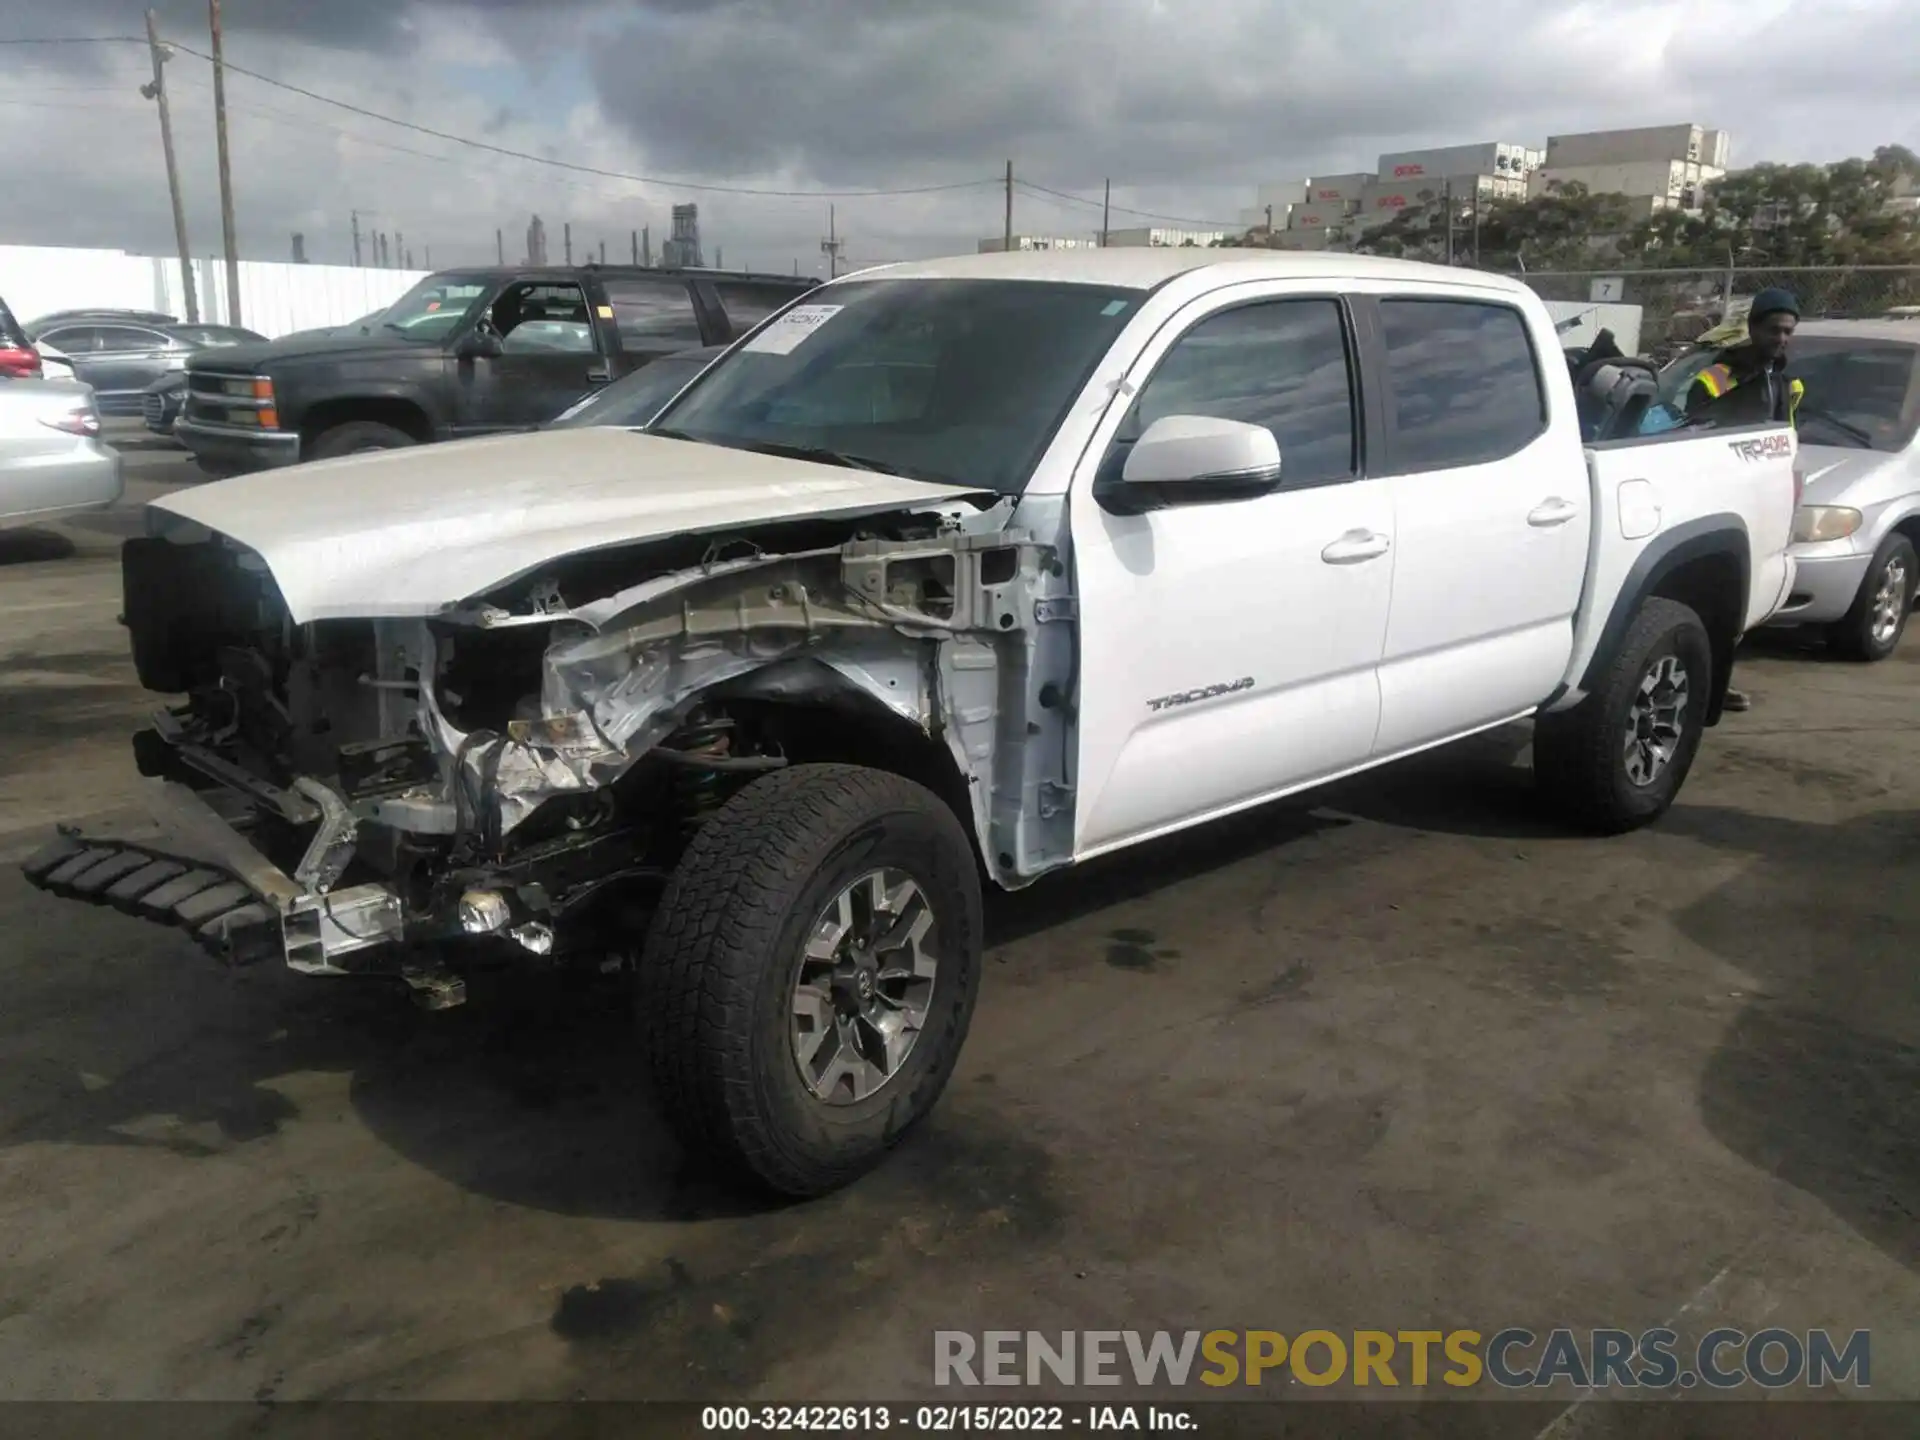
column 1511, row 1359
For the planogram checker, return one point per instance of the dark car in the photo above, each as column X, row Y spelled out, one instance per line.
column 640, row 396
column 465, row 352
column 40, row 324
column 121, row 358
column 163, row 400
column 18, row 359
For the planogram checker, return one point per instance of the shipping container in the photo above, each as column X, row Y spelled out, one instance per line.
column 1316, row 217
column 1494, row 157
column 1331, row 189
column 1668, row 179
column 1628, row 147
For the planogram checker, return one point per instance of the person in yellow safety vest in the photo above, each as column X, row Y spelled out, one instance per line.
column 1748, row 384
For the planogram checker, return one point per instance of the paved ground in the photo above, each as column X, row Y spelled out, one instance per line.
column 1404, row 1058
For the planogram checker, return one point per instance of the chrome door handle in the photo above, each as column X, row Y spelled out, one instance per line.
column 1552, row 512
column 1355, row 546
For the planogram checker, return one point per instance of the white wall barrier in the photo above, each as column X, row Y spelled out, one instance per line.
column 275, row 298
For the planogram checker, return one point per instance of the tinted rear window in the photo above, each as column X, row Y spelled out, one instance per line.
column 1464, row 388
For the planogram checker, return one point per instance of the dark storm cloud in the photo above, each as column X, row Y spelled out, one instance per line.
column 853, row 89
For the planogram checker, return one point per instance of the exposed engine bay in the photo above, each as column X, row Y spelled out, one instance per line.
column 516, row 771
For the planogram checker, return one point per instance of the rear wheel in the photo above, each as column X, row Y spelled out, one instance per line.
column 1616, row 761
column 1871, row 630
column 810, row 975
column 356, row 437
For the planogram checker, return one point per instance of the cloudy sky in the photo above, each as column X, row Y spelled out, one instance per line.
column 1187, row 105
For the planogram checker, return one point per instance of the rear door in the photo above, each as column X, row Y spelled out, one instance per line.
column 653, row 315
column 1492, row 515
column 1229, row 651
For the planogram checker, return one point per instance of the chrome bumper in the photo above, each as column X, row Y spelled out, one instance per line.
column 179, row 862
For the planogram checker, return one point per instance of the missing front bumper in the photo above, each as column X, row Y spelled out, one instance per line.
column 180, row 863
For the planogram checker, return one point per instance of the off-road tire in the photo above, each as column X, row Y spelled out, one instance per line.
column 713, row 988
column 1852, row 634
column 1579, row 756
column 356, row 436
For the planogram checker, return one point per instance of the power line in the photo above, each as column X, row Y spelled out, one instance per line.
column 571, row 165
column 1124, row 209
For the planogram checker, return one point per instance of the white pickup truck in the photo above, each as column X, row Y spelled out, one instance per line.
column 972, row 568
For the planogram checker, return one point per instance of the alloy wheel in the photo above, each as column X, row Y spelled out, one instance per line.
column 864, row 983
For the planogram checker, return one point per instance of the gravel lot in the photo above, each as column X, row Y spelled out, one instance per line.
column 1400, row 1055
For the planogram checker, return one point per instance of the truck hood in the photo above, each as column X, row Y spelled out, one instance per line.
column 262, row 356
column 411, row 532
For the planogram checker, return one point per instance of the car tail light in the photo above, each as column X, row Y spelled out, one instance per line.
column 75, row 422
column 19, row 363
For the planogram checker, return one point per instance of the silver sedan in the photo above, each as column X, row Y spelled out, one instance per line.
column 52, row 461
column 1858, row 525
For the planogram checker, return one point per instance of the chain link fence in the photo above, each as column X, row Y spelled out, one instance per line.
column 1679, row 305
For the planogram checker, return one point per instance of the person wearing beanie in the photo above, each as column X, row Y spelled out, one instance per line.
column 1748, row 384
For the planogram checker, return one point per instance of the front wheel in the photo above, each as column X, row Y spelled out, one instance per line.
column 810, row 975
column 1616, row 761
column 357, row 437
column 1872, row 628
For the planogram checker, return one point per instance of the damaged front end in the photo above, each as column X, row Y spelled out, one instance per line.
column 515, row 776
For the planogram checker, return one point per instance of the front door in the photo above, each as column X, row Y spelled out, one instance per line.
column 1492, row 508
column 1229, row 651
column 552, row 357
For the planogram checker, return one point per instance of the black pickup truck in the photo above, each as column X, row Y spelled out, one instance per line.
column 465, row 352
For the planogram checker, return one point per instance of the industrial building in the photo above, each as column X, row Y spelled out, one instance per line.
column 1159, row 235
column 998, row 243
column 1655, row 167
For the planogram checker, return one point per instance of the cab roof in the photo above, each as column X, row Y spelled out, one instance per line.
column 1143, row 268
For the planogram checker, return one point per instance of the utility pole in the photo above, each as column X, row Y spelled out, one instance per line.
column 719, row 258
column 409, row 264
column 226, row 167
column 1449, row 205
column 1476, row 226
column 400, row 249
column 1007, row 234
column 499, row 247
column 356, row 238
column 1106, row 203
column 157, row 91
column 635, row 237
column 830, row 247
column 566, row 235
column 603, row 252
column 646, row 246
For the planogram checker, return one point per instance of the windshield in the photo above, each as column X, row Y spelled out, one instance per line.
column 1862, row 388
column 637, row 398
column 962, row 381
column 434, row 308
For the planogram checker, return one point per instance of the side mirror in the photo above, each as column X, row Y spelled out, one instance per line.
column 1193, row 460
column 480, row 343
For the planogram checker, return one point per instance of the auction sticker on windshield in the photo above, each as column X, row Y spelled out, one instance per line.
column 786, row 334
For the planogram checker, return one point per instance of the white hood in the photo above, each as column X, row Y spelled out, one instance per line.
column 410, row 532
